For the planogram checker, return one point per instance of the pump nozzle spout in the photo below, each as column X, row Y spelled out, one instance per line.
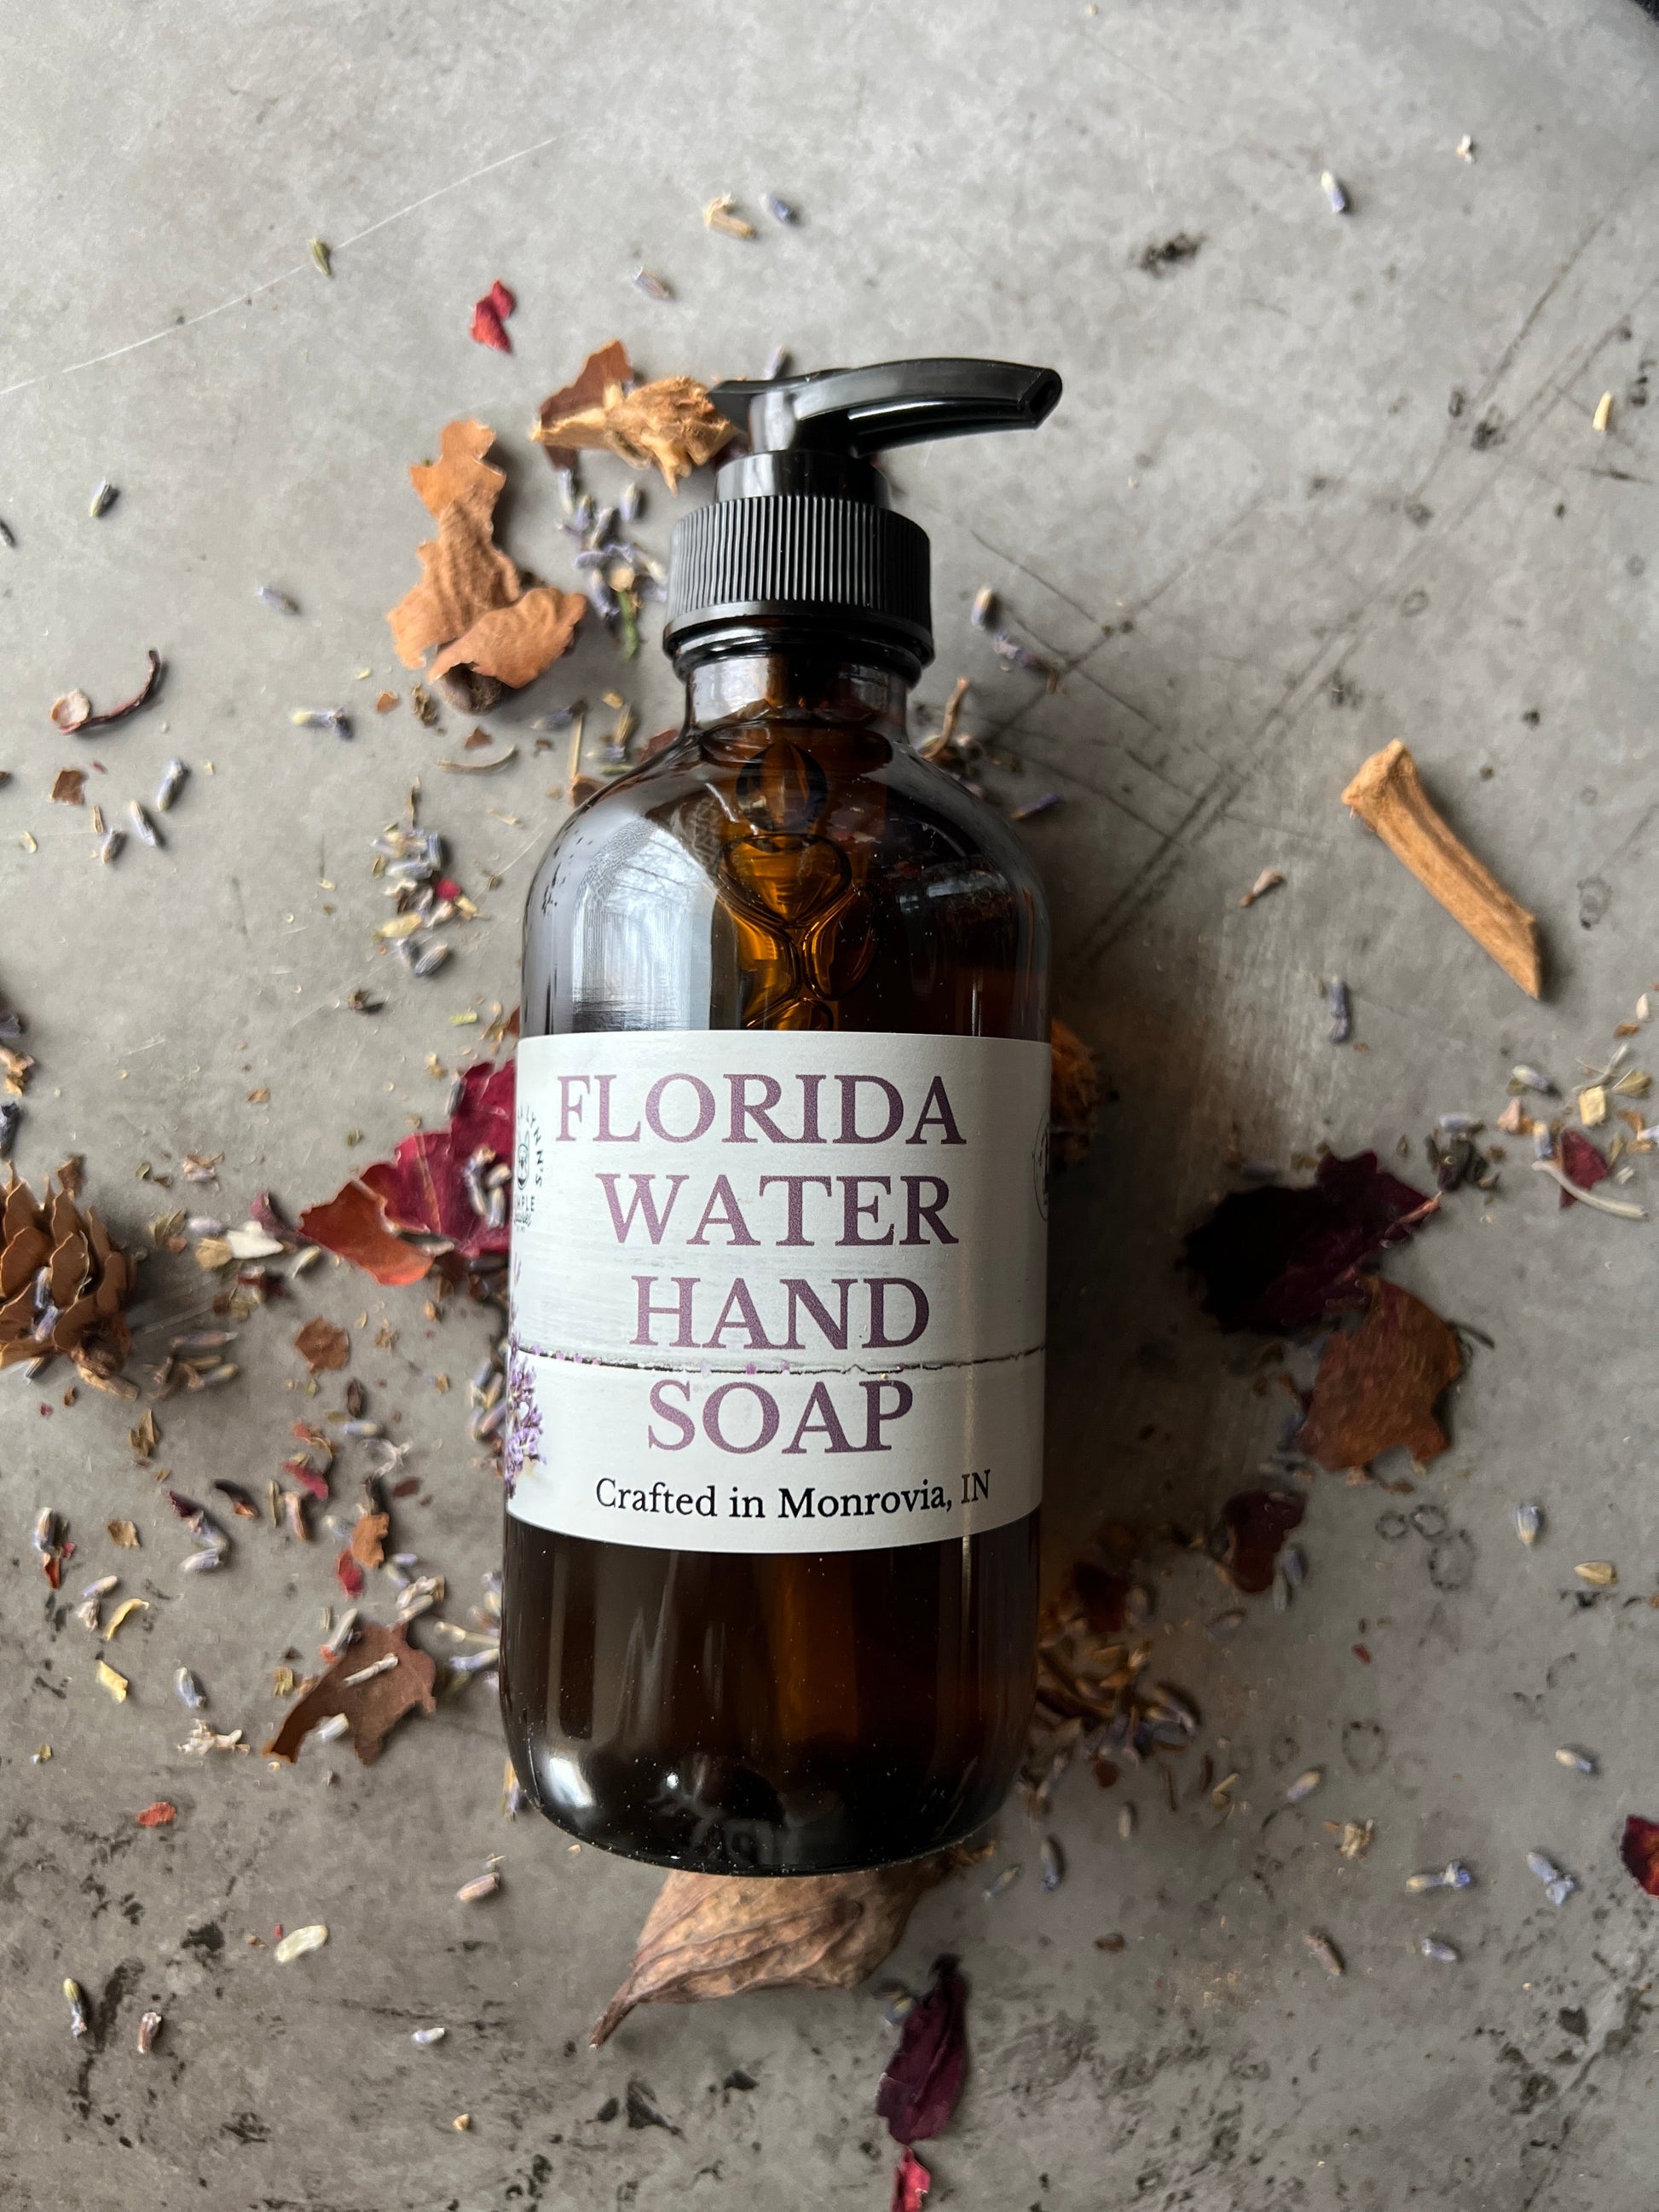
column 859, row 411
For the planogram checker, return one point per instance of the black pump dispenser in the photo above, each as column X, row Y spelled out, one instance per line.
column 801, row 537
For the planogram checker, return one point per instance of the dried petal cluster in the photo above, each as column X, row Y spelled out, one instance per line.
column 1093, row 1698
column 64, row 1284
column 494, row 630
column 431, row 1187
column 1276, row 1259
column 670, row 425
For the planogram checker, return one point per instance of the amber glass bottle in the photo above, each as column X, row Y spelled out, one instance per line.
column 784, row 1006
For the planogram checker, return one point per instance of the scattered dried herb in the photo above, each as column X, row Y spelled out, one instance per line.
column 491, row 626
column 918, row 2090
column 670, row 424
column 322, row 1346
column 709, row 1937
column 1378, row 1385
column 1275, row 1259
column 371, row 1708
column 73, row 712
column 1257, row 1522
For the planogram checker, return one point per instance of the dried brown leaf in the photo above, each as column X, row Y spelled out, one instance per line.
column 514, row 644
column 322, row 1346
column 464, row 575
column 670, row 425
column 368, row 1539
column 69, row 787
column 460, row 475
column 372, row 1709
column 1378, row 1384
column 719, row 1935
column 610, row 365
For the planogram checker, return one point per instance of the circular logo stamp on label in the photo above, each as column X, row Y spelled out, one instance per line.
column 1040, row 1169
column 528, row 1166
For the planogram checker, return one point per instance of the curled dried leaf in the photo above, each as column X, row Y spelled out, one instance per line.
column 717, row 1936
column 74, row 712
column 670, row 425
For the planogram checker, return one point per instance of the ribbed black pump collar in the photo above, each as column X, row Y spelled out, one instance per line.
column 801, row 536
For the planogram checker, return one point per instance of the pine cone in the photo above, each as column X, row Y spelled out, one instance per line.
column 62, row 1284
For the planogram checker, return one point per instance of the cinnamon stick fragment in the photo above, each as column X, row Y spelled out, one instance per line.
column 1387, row 795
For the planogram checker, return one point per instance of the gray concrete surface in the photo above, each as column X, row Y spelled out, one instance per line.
column 1257, row 487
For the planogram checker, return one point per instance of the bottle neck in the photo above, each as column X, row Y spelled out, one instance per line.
column 809, row 686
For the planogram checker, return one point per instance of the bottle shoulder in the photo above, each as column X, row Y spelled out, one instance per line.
column 766, row 877
column 884, row 797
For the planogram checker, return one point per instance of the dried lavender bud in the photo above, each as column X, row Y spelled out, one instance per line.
column 147, row 832
column 278, row 602
column 652, row 286
column 1336, row 199
column 322, row 718
column 103, row 499
column 780, row 210
column 172, row 783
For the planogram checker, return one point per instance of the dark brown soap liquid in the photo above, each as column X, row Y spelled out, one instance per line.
column 787, row 863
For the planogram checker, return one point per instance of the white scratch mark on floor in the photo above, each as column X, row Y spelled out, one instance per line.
column 300, row 268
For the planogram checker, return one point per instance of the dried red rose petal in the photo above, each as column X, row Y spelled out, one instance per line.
column 487, row 329
column 1638, row 1847
column 160, row 1814
column 911, row 2182
column 1581, row 1163
column 423, row 1185
column 353, row 1226
column 501, row 299
column 1257, row 1522
column 917, row 2092
column 349, row 1574
column 1274, row 1259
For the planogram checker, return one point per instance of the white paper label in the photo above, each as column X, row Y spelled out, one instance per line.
column 775, row 1290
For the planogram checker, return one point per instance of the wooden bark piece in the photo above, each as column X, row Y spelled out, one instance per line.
column 1387, row 795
